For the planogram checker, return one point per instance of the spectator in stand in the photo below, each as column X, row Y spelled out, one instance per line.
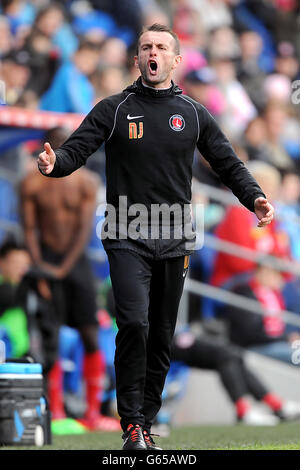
column 240, row 228
column 20, row 15
column 6, row 37
column 127, row 16
column 286, row 24
column 260, row 17
column 44, row 62
column 288, row 211
column 276, row 118
column 14, row 264
column 262, row 333
column 204, row 351
column 188, row 25
column 107, row 81
column 16, row 73
column 239, row 110
column 214, row 14
column 201, row 86
column 113, row 51
column 71, row 90
column 256, row 141
column 287, row 62
column 152, row 13
column 224, row 44
column 50, row 21
column 249, row 72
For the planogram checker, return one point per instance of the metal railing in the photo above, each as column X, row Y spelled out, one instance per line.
column 240, row 251
column 236, row 300
column 227, row 197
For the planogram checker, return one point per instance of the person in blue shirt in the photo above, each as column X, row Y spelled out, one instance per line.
column 71, row 90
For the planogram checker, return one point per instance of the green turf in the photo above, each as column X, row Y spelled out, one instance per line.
column 285, row 436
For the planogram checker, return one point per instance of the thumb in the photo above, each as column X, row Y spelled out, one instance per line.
column 48, row 148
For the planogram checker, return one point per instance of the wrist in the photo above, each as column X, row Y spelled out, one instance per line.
column 256, row 197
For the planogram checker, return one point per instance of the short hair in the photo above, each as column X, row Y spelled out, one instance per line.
column 260, row 169
column 6, row 3
column 85, row 44
column 56, row 136
column 160, row 28
column 9, row 244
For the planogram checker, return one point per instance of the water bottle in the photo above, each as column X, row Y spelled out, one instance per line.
column 2, row 351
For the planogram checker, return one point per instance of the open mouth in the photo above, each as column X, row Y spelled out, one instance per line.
column 153, row 67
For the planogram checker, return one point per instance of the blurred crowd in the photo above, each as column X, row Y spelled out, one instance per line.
column 241, row 59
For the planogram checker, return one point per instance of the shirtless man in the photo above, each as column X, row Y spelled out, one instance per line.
column 57, row 217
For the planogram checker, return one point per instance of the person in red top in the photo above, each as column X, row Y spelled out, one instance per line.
column 239, row 226
column 262, row 333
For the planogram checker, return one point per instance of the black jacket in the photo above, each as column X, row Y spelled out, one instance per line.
column 247, row 328
column 150, row 137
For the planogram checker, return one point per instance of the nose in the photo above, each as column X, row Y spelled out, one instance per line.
column 153, row 50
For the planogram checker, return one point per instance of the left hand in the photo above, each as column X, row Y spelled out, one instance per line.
column 264, row 211
column 58, row 272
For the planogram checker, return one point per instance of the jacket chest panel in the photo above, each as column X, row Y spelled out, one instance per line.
column 141, row 124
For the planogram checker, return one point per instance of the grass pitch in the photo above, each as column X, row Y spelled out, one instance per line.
column 285, row 436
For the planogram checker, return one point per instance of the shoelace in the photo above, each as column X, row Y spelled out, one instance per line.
column 148, row 437
column 133, row 432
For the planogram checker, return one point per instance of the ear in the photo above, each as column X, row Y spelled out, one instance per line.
column 136, row 61
column 177, row 61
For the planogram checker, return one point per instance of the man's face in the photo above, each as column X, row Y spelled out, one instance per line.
column 157, row 58
column 86, row 61
column 14, row 265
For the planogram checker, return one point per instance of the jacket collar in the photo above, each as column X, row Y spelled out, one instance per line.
column 138, row 87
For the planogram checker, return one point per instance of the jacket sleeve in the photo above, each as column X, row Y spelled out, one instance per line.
column 92, row 132
column 216, row 149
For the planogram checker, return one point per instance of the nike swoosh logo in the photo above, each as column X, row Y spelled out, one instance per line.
column 133, row 117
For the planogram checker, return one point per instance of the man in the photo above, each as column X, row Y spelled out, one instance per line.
column 57, row 219
column 71, row 90
column 151, row 131
column 14, row 264
column 205, row 351
column 267, row 333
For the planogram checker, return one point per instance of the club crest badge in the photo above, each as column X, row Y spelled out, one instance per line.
column 177, row 123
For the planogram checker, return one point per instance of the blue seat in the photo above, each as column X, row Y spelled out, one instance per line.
column 5, row 338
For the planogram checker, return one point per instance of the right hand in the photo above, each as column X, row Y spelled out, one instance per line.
column 46, row 159
column 54, row 271
column 44, row 289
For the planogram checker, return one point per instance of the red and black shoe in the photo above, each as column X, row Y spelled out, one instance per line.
column 133, row 438
column 149, row 441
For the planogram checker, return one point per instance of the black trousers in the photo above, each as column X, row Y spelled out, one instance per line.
column 206, row 352
column 147, row 293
